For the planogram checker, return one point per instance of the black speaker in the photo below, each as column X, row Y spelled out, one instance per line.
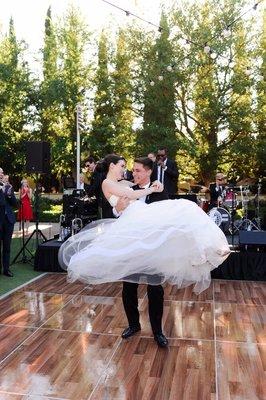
column 38, row 157
column 252, row 240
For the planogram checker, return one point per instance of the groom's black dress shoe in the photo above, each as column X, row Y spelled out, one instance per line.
column 130, row 331
column 8, row 273
column 161, row 340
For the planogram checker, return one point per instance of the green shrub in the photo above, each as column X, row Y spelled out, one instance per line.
column 49, row 209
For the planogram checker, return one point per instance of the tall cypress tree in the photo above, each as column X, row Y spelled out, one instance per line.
column 51, row 86
column 159, row 97
column 103, row 130
column 123, row 114
column 260, row 152
column 74, row 75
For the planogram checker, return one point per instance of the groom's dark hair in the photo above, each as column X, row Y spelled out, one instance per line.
column 145, row 161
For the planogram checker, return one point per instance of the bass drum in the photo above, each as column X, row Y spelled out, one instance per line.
column 220, row 217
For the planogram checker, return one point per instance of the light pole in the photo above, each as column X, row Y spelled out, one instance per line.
column 79, row 121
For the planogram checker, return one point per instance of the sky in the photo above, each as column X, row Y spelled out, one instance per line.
column 29, row 15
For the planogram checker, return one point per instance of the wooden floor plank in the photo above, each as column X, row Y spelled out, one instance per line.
column 30, row 308
column 241, row 371
column 186, row 294
column 15, row 396
column 57, row 364
column 11, row 337
column 90, row 314
column 240, row 323
column 54, row 283
column 240, row 292
column 182, row 320
column 139, row 370
column 111, row 290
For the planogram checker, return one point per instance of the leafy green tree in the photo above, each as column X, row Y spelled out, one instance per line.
column 123, row 114
column 16, row 106
column 260, row 150
column 101, row 137
column 51, row 85
column 239, row 144
column 66, row 77
column 214, row 104
column 159, row 128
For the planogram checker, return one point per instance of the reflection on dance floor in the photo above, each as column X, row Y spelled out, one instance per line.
column 61, row 340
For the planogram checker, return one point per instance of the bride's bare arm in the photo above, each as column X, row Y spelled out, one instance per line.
column 114, row 188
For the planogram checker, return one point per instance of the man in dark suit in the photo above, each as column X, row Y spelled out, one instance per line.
column 142, row 171
column 217, row 190
column 7, row 221
column 128, row 175
column 165, row 171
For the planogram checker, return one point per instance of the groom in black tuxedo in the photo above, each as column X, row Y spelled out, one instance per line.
column 142, row 171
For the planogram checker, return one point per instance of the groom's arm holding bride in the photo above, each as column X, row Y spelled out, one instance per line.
column 122, row 204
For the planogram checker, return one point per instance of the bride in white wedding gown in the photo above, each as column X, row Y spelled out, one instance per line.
column 166, row 241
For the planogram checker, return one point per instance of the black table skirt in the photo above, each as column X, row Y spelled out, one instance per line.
column 46, row 257
column 244, row 265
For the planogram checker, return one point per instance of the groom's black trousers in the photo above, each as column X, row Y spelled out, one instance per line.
column 130, row 301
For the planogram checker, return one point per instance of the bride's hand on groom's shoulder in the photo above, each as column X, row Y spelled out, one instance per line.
column 157, row 186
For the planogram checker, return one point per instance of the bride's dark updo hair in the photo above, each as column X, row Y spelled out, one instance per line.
column 104, row 164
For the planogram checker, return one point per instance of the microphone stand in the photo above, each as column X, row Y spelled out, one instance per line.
column 24, row 259
column 258, row 220
column 36, row 231
column 233, row 211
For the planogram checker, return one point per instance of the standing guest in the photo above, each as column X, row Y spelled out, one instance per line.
column 82, row 184
column 7, row 221
column 95, row 187
column 6, row 179
column 25, row 213
column 166, row 172
column 128, row 175
column 152, row 156
column 217, row 190
column 89, row 168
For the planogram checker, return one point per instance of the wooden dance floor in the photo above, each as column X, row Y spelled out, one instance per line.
column 62, row 341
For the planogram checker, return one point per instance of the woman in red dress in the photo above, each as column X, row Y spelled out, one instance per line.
column 25, row 210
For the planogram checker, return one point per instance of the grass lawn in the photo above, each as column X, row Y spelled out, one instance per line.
column 23, row 272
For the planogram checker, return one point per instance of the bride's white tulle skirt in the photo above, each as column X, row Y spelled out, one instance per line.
column 167, row 241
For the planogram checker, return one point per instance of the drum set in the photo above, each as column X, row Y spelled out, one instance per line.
column 234, row 198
